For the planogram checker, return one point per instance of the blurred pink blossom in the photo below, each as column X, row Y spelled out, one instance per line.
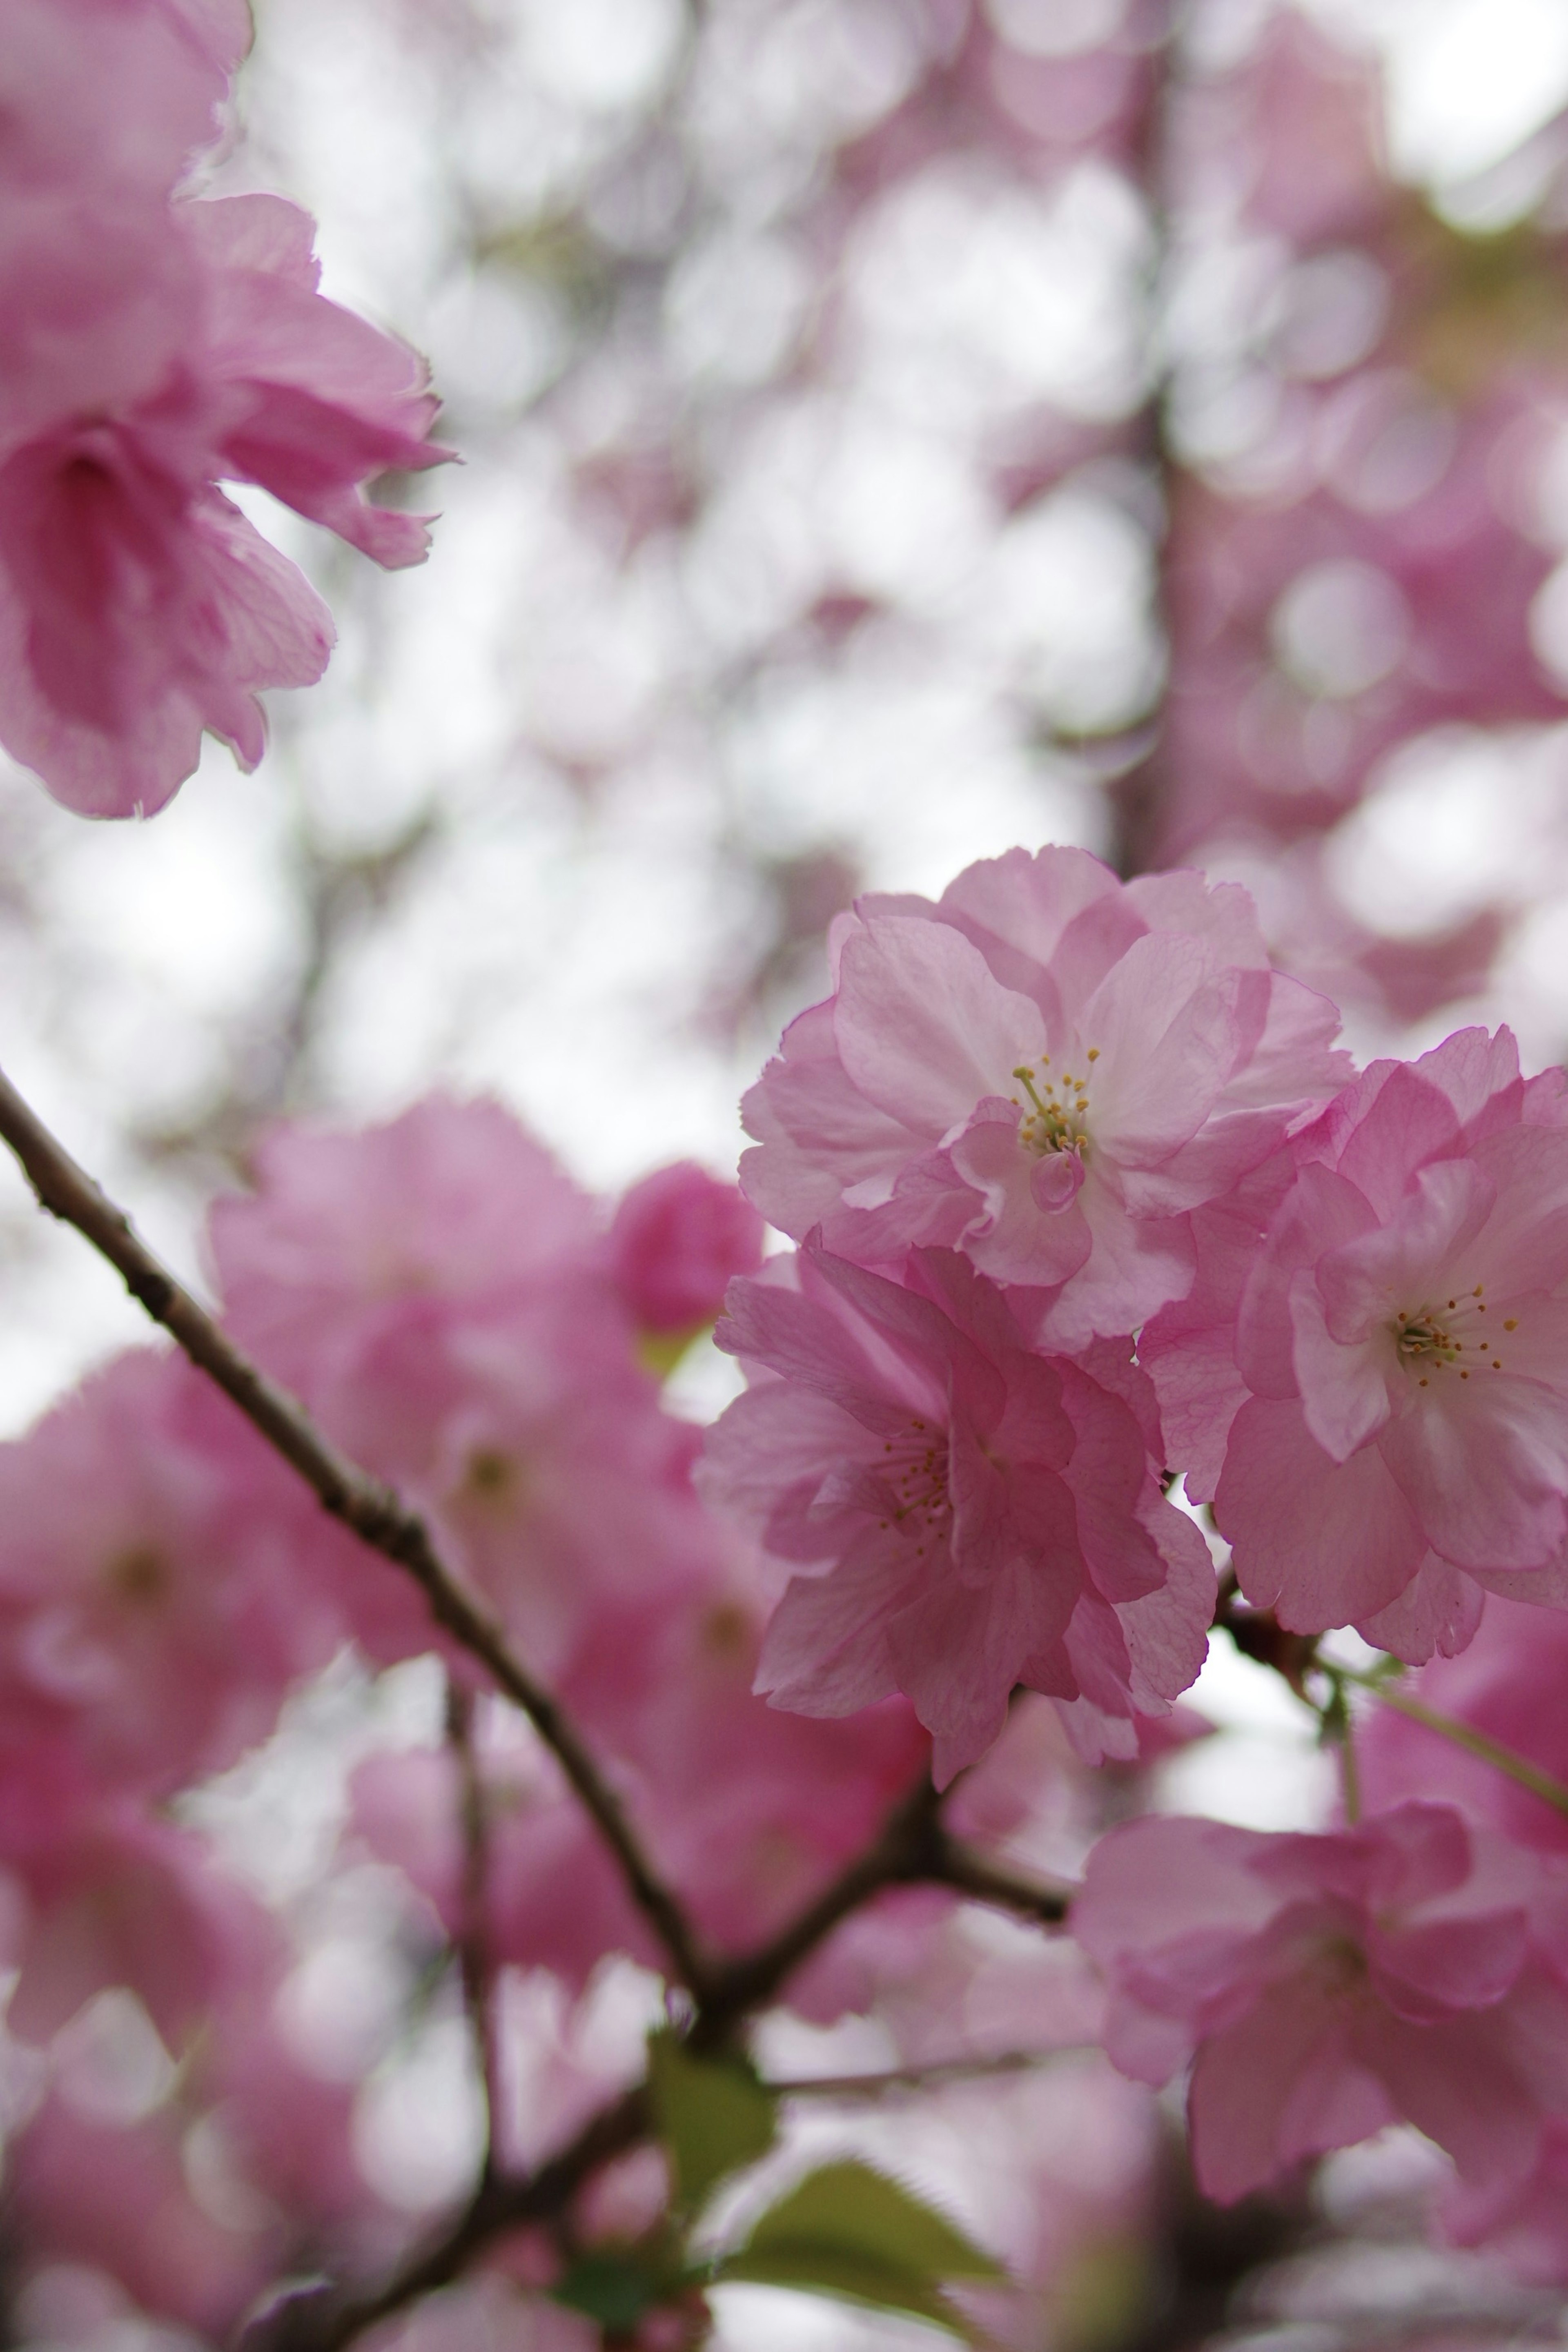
column 1331, row 1985
column 677, row 1239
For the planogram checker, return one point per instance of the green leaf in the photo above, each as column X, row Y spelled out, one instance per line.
column 614, row 2288
column 714, row 2114
column 847, row 2231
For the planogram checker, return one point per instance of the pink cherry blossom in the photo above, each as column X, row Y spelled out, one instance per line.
column 408, row 1811
column 129, row 1900
column 963, row 1515
column 1331, row 1985
column 677, row 1239
column 1048, row 1070
column 157, row 346
column 1405, row 1357
column 453, row 1208
column 164, row 1581
column 553, row 1479
column 118, row 2196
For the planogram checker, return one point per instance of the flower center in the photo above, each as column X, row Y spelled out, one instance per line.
column 1056, row 1121
column 1449, row 1335
column 916, row 1470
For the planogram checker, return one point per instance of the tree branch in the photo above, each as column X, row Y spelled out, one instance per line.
column 985, row 1882
column 924, row 2078
column 909, row 1848
column 375, row 1514
column 473, row 1937
column 322, row 2319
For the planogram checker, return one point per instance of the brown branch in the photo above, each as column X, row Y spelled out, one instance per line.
column 970, row 1874
column 375, row 1514
column 322, row 2319
column 909, row 1848
column 923, row 2078
column 473, row 1941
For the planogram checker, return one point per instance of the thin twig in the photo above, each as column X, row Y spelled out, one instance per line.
column 921, row 2078
column 911, row 1849
column 474, row 1935
column 375, row 1514
column 1464, row 1735
column 322, row 2319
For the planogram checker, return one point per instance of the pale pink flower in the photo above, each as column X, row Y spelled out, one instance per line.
column 963, row 1515
column 1331, row 1985
column 677, row 1238
column 1048, row 1070
column 750, row 1811
column 408, row 1811
column 156, row 346
column 554, row 1481
column 118, row 2196
column 163, row 1579
column 102, row 102
column 452, row 1209
column 436, row 1291
column 128, row 1899
column 1406, row 1353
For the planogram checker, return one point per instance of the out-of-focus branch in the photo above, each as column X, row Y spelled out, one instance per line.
column 375, row 1514
column 322, row 2319
column 473, row 1937
column 923, row 2078
column 912, row 1848
column 1135, row 794
column 985, row 1882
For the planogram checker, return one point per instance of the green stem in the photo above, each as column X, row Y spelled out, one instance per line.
column 1463, row 1734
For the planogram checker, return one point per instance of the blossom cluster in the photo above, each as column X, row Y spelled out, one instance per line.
column 1086, row 1199
column 156, row 343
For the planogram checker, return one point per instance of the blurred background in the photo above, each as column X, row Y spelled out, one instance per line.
column 890, row 430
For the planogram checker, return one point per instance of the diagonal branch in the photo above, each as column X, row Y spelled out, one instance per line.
column 375, row 1514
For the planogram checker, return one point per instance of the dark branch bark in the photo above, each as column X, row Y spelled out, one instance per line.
column 372, row 1511
column 473, row 1934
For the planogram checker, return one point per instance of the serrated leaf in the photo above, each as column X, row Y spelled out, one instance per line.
column 847, row 2231
column 714, row 2114
column 847, row 2204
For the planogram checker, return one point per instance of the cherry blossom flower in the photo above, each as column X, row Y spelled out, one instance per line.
column 118, row 2196
column 1330, row 1985
column 452, row 1209
column 157, row 345
column 164, row 1581
column 1404, row 1357
column 127, row 1899
column 676, row 1240
column 963, row 1515
column 1048, row 1070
